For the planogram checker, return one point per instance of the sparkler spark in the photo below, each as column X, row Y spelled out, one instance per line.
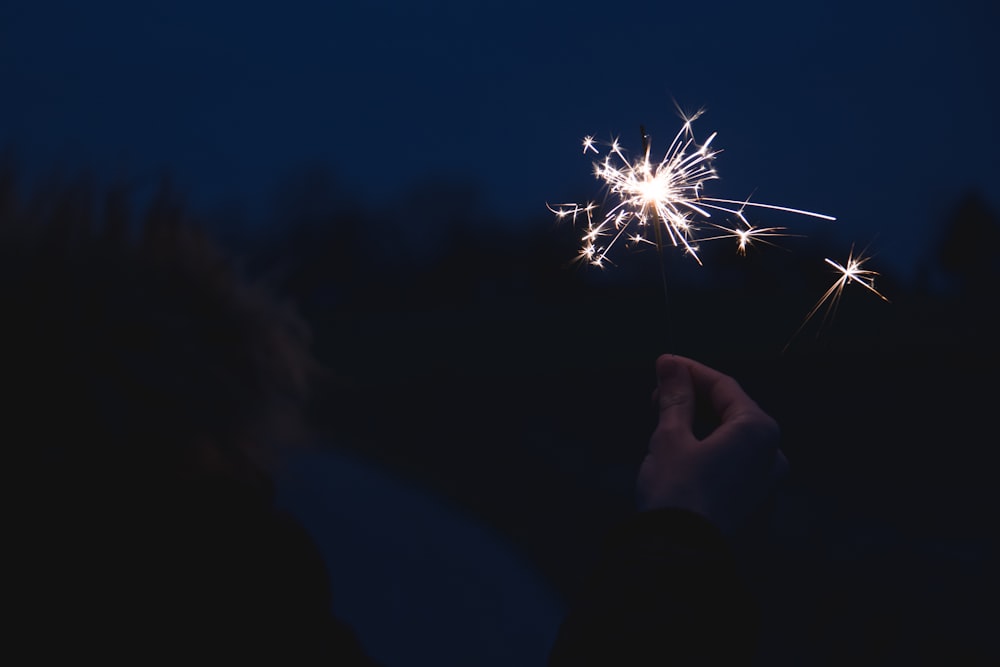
column 852, row 271
column 662, row 197
column 746, row 237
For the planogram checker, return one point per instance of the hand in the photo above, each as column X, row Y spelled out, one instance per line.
column 725, row 475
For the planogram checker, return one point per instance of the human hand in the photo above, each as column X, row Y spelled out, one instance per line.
column 725, row 475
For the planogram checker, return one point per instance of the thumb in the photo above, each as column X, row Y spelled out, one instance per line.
column 675, row 394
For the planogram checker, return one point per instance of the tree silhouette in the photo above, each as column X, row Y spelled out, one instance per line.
column 969, row 248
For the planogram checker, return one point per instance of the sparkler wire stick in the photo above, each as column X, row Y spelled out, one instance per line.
column 659, row 247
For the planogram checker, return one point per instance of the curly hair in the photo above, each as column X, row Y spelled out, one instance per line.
column 132, row 342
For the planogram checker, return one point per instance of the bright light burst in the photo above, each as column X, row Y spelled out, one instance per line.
column 745, row 237
column 852, row 271
column 663, row 197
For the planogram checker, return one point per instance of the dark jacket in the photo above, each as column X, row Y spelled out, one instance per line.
column 665, row 592
column 213, row 573
column 209, row 573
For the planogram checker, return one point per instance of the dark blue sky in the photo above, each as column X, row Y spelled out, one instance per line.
column 881, row 113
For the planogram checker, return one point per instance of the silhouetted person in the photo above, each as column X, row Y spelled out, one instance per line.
column 149, row 389
column 147, row 386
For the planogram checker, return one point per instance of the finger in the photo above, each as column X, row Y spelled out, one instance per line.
column 674, row 394
column 724, row 394
column 742, row 423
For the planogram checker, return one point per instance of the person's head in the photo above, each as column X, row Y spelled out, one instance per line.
column 137, row 350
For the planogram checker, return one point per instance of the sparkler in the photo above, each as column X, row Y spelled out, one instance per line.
column 662, row 197
column 666, row 198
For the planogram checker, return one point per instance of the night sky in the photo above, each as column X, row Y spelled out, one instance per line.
column 880, row 113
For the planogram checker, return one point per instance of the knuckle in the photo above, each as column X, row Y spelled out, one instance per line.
column 768, row 425
column 672, row 399
column 762, row 428
column 731, row 385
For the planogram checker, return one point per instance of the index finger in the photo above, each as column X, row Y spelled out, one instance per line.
column 725, row 394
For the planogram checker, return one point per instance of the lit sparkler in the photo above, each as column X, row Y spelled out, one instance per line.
column 663, row 198
column 651, row 200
